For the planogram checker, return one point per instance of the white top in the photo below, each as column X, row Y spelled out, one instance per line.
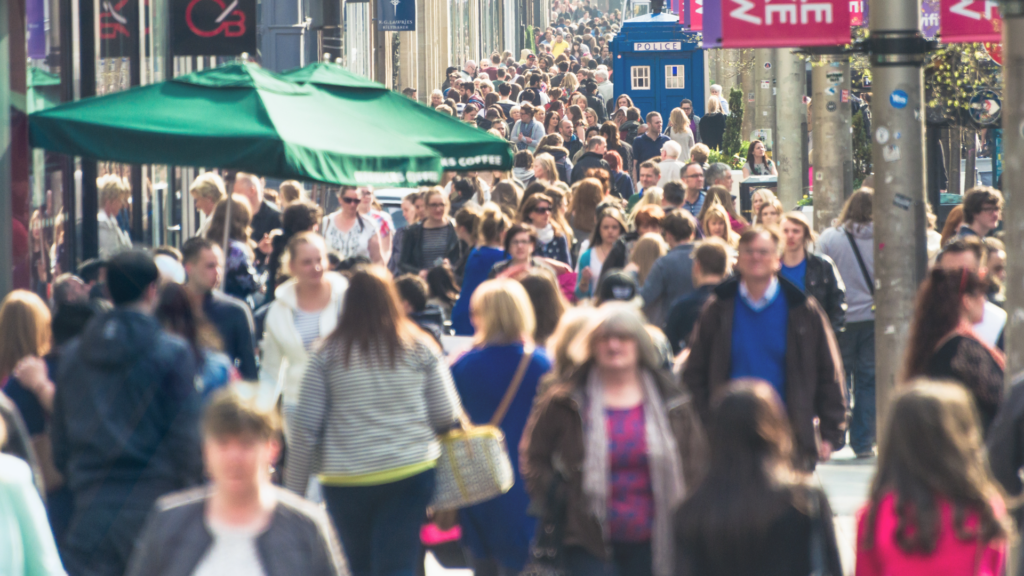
column 233, row 551
column 355, row 242
column 991, row 325
column 307, row 324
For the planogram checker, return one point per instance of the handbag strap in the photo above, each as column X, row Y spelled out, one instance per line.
column 860, row 261
column 513, row 387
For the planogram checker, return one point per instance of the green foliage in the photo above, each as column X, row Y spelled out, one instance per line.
column 861, row 149
column 954, row 74
column 805, row 201
column 733, row 123
column 735, row 161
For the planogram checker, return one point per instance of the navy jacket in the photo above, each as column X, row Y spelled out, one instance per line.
column 125, row 427
column 234, row 322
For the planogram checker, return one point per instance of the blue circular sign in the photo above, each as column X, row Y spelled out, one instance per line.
column 985, row 107
column 899, row 99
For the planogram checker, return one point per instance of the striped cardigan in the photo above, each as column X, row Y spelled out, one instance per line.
column 368, row 423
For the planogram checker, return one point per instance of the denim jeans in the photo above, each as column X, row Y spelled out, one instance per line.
column 628, row 559
column 857, row 344
column 379, row 526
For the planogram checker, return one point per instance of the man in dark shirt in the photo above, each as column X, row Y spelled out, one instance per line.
column 266, row 216
column 710, row 265
column 204, row 262
column 648, row 145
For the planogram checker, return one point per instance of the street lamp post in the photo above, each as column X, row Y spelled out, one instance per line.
column 1013, row 187
column 897, row 53
column 791, row 112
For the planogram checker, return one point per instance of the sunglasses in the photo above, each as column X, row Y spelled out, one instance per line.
column 351, row 200
column 540, row 210
column 435, row 205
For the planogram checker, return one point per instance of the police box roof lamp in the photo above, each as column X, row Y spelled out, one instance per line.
column 657, row 6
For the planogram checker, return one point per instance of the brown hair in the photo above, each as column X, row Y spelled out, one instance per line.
column 241, row 217
column 647, row 215
column 725, row 199
column 646, row 251
column 291, row 190
column 611, row 133
column 680, row 224
column 587, row 194
column 298, row 240
column 753, row 232
column 952, row 225
column 229, row 415
column 713, row 256
column 937, row 313
column 977, row 198
column 530, row 203
column 857, row 209
column 508, row 196
column 516, row 229
column 25, row 325
column 607, row 212
column 548, row 302
column 933, row 452
column 800, row 220
column 469, row 218
column 372, row 319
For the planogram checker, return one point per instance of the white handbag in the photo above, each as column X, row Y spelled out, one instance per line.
column 474, row 465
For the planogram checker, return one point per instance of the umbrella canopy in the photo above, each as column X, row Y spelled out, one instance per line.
column 463, row 147
column 243, row 117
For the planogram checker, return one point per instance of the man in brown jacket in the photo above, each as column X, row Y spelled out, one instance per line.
column 760, row 325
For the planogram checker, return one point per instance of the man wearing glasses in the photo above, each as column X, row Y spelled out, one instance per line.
column 693, row 181
column 759, row 325
column 686, row 105
column 983, row 206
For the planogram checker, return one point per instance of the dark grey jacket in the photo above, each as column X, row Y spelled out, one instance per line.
column 412, row 259
column 823, row 281
column 299, row 540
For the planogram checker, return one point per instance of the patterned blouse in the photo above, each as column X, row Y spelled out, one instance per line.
column 631, row 504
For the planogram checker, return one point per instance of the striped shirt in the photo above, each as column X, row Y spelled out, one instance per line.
column 368, row 423
column 307, row 324
column 435, row 245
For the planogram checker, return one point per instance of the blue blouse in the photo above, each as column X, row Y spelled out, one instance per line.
column 478, row 267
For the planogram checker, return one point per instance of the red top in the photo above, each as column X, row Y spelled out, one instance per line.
column 952, row 556
column 631, row 502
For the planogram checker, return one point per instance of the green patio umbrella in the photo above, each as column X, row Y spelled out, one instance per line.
column 243, row 117
column 462, row 146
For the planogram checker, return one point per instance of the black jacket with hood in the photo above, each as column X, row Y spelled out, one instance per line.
column 125, row 427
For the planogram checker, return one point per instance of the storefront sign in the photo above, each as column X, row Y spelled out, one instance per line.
column 657, row 46
column 213, row 27
column 970, row 21
column 767, row 24
column 119, row 21
column 396, row 15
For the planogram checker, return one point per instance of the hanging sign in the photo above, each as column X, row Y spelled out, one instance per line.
column 970, row 21
column 857, row 13
column 995, row 51
column 768, row 24
column 213, row 27
column 396, row 15
column 985, row 107
column 119, row 21
column 695, row 10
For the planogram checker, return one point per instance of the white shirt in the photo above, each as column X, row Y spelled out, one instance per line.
column 670, row 170
column 232, row 553
column 991, row 325
column 763, row 301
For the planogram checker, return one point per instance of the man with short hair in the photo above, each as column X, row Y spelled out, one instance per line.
column 506, row 105
column 719, row 174
column 673, row 195
column 759, row 325
column 204, row 264
column 569, row 139
column 983, row 206
column 671, row 167
column 716, row 91
column 710, row 266
column 470, row 96
column 969, row 252
column 693, row 180
column 605, row 87
column 563, row 69
column 672, row 274
column 686, row 105
column 469, row 70
column 241, row 523
column 650, row 173
column 409, row 93
column 592, row 158
column 649, row 144
column 125, row 424
column 266, row 216
column 559, row 45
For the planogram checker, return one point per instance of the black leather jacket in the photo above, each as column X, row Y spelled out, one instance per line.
column 822, row 280
column 412, row 259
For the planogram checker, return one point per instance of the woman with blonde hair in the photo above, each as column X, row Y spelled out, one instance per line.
column 679, row 131
column 721, row 196
column 570, row 83
column 503, row 362
column 770, row 213
column 652, row 196
column 632, row 444
column 715, row 223
column 712, row 124
column 544, row 169
column 611, row 225
column 114, row 193
column 241, row 279
column 25, row 324
column 645, row 252
column 757, row 198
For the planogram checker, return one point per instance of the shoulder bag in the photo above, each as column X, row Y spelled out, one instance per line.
column 474, row 465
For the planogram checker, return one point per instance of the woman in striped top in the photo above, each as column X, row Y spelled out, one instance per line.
column 372, row 401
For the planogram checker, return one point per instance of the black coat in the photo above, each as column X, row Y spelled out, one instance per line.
column 1006, row 448
column 234, row 322
column 412, row 249
column 712, row 130
column 823, row 281
column 587, row 161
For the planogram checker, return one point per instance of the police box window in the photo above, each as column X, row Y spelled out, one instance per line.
column 675, row 77
column 640, row 77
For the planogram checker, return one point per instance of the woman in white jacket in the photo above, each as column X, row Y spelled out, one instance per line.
column 305, row 308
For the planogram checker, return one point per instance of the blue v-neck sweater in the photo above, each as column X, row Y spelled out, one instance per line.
column 759, row 342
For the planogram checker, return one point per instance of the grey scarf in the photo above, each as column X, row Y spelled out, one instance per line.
column 666, row 466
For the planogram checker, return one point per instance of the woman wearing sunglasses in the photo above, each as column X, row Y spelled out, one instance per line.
column 349, row 233
column 552, row 241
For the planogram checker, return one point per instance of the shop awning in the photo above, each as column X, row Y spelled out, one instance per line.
column 463, row 147
column 243, row 117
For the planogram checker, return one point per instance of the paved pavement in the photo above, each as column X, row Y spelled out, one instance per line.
column 846, row 481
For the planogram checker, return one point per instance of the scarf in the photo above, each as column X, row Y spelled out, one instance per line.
column 546, row 234
column 666, row 467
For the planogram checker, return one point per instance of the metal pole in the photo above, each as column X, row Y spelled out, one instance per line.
column 955, row 153
column 87, row 69
column 764, row 96
column 897, row 52
column 745, row 58
column 791, row 111
column 1013, row 182
column 833, row 145
column 6, row 211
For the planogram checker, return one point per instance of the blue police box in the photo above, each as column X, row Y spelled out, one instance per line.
column 658, row 63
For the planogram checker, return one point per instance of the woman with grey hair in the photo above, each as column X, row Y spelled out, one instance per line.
column 624, row 444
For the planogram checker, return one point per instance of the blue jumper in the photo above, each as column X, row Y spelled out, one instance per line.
column 759, row 342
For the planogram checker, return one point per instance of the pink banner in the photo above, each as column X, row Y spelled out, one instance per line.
column 857, row 13
column 970, row 21
column 696, row 15
column 789, row 23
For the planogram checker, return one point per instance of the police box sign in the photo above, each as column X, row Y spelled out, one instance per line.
column 657, row 46
column 213, row 27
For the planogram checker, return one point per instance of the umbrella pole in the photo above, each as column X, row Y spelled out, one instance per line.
column 227, row 239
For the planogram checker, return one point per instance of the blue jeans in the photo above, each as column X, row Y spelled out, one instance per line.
column 857, row 344
column 379, row 526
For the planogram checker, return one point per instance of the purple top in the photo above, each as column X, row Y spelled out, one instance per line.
column 631, row 504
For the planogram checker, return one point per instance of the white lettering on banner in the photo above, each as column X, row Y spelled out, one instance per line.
column 657, row 46
column 856, row 7
column 471, row 161
column 700, row 6
column 963, row 8
column 743, row 12
column 783, row 14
